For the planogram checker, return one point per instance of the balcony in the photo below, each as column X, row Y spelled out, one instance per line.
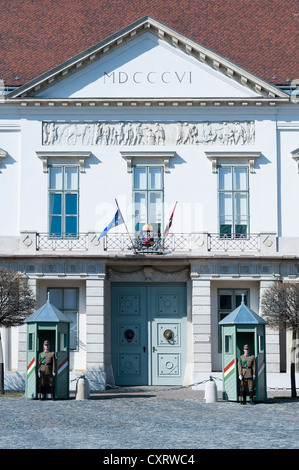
column 192, row 243
column 61, row 242
column 202, row 244
column 229, row 243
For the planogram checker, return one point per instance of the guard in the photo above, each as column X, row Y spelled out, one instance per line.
column 46, row 370
column 246, row 370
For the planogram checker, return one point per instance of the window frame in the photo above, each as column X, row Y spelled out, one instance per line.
column 222, row 313
column 147, row 191
column 64, row 192
column 233, row 192
column 66, row 311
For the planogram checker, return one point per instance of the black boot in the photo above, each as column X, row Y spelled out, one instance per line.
column 251, row 398
column 244, row 398
column 43, row 393
column 52, row 393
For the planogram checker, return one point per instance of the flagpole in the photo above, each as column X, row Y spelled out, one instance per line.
column 168, row 227
column 126, row 228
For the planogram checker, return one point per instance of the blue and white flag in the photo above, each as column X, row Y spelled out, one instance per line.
column 117, row 220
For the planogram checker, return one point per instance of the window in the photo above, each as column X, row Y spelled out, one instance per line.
column 261, row 344
column 233, row 201
column 229, row 300
column 31, row 342
column 63, row 201
column 148, row 197
column 63, row 342
column 67, row 300
column 228, row 348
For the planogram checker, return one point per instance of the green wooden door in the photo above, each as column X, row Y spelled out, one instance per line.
column 168, row 318
column 129, row 335
column 62, row 373
column 260, row 378
column 148, row 333
column 230, row 363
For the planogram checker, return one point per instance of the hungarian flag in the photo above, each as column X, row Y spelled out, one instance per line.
column 166, row 231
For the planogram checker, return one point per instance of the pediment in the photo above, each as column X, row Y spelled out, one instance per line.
column 147, row 60
column 148, row 67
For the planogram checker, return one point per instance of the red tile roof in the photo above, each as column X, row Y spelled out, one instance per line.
column 259, row 35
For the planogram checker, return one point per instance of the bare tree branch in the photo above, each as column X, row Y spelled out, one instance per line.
column 280, row 305
column 17, row 301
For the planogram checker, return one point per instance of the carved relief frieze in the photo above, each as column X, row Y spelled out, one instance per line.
column 148, row 133
column 148, row 273
column 63, row 268
column 197, row 270
column 231, row 269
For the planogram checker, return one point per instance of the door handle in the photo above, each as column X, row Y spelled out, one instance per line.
column 154, row 349
column 144, row 348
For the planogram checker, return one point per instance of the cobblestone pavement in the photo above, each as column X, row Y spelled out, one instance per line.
column 148, row 418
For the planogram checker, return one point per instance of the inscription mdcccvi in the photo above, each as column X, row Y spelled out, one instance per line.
column 151, row 77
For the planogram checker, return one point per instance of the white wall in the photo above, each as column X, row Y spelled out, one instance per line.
column 190, row 180
column 289, row 185
column 10, row 142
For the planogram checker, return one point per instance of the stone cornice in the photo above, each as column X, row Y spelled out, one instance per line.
column 176, row 269
column 144, row 102
column 147, row 156
column 249, row 157
column 79, row 156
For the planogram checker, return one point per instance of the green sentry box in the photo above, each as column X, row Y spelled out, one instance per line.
column 48, row 323
column 243, row 326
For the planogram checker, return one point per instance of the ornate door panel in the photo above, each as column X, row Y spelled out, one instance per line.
column 129, row 334
column 148, row 324
column 168, row 334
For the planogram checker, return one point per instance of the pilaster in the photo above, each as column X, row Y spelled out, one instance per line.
column 95, row 324
column 272, row 336
column 201, row 318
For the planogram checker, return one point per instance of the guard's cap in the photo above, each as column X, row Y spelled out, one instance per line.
column 46, row 342
column 246, row 346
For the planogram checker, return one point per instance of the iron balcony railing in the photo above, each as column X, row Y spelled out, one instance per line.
column 61, row 241
column 173, row 243
column 218, row 242
column 182, row 242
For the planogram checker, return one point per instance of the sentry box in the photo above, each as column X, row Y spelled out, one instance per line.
column 243, row 326
column 48, row 323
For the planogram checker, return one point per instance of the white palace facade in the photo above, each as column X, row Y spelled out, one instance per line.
column 150, row 120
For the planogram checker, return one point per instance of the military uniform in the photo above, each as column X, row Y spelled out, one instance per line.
column 246, row 370
column 46, row 371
